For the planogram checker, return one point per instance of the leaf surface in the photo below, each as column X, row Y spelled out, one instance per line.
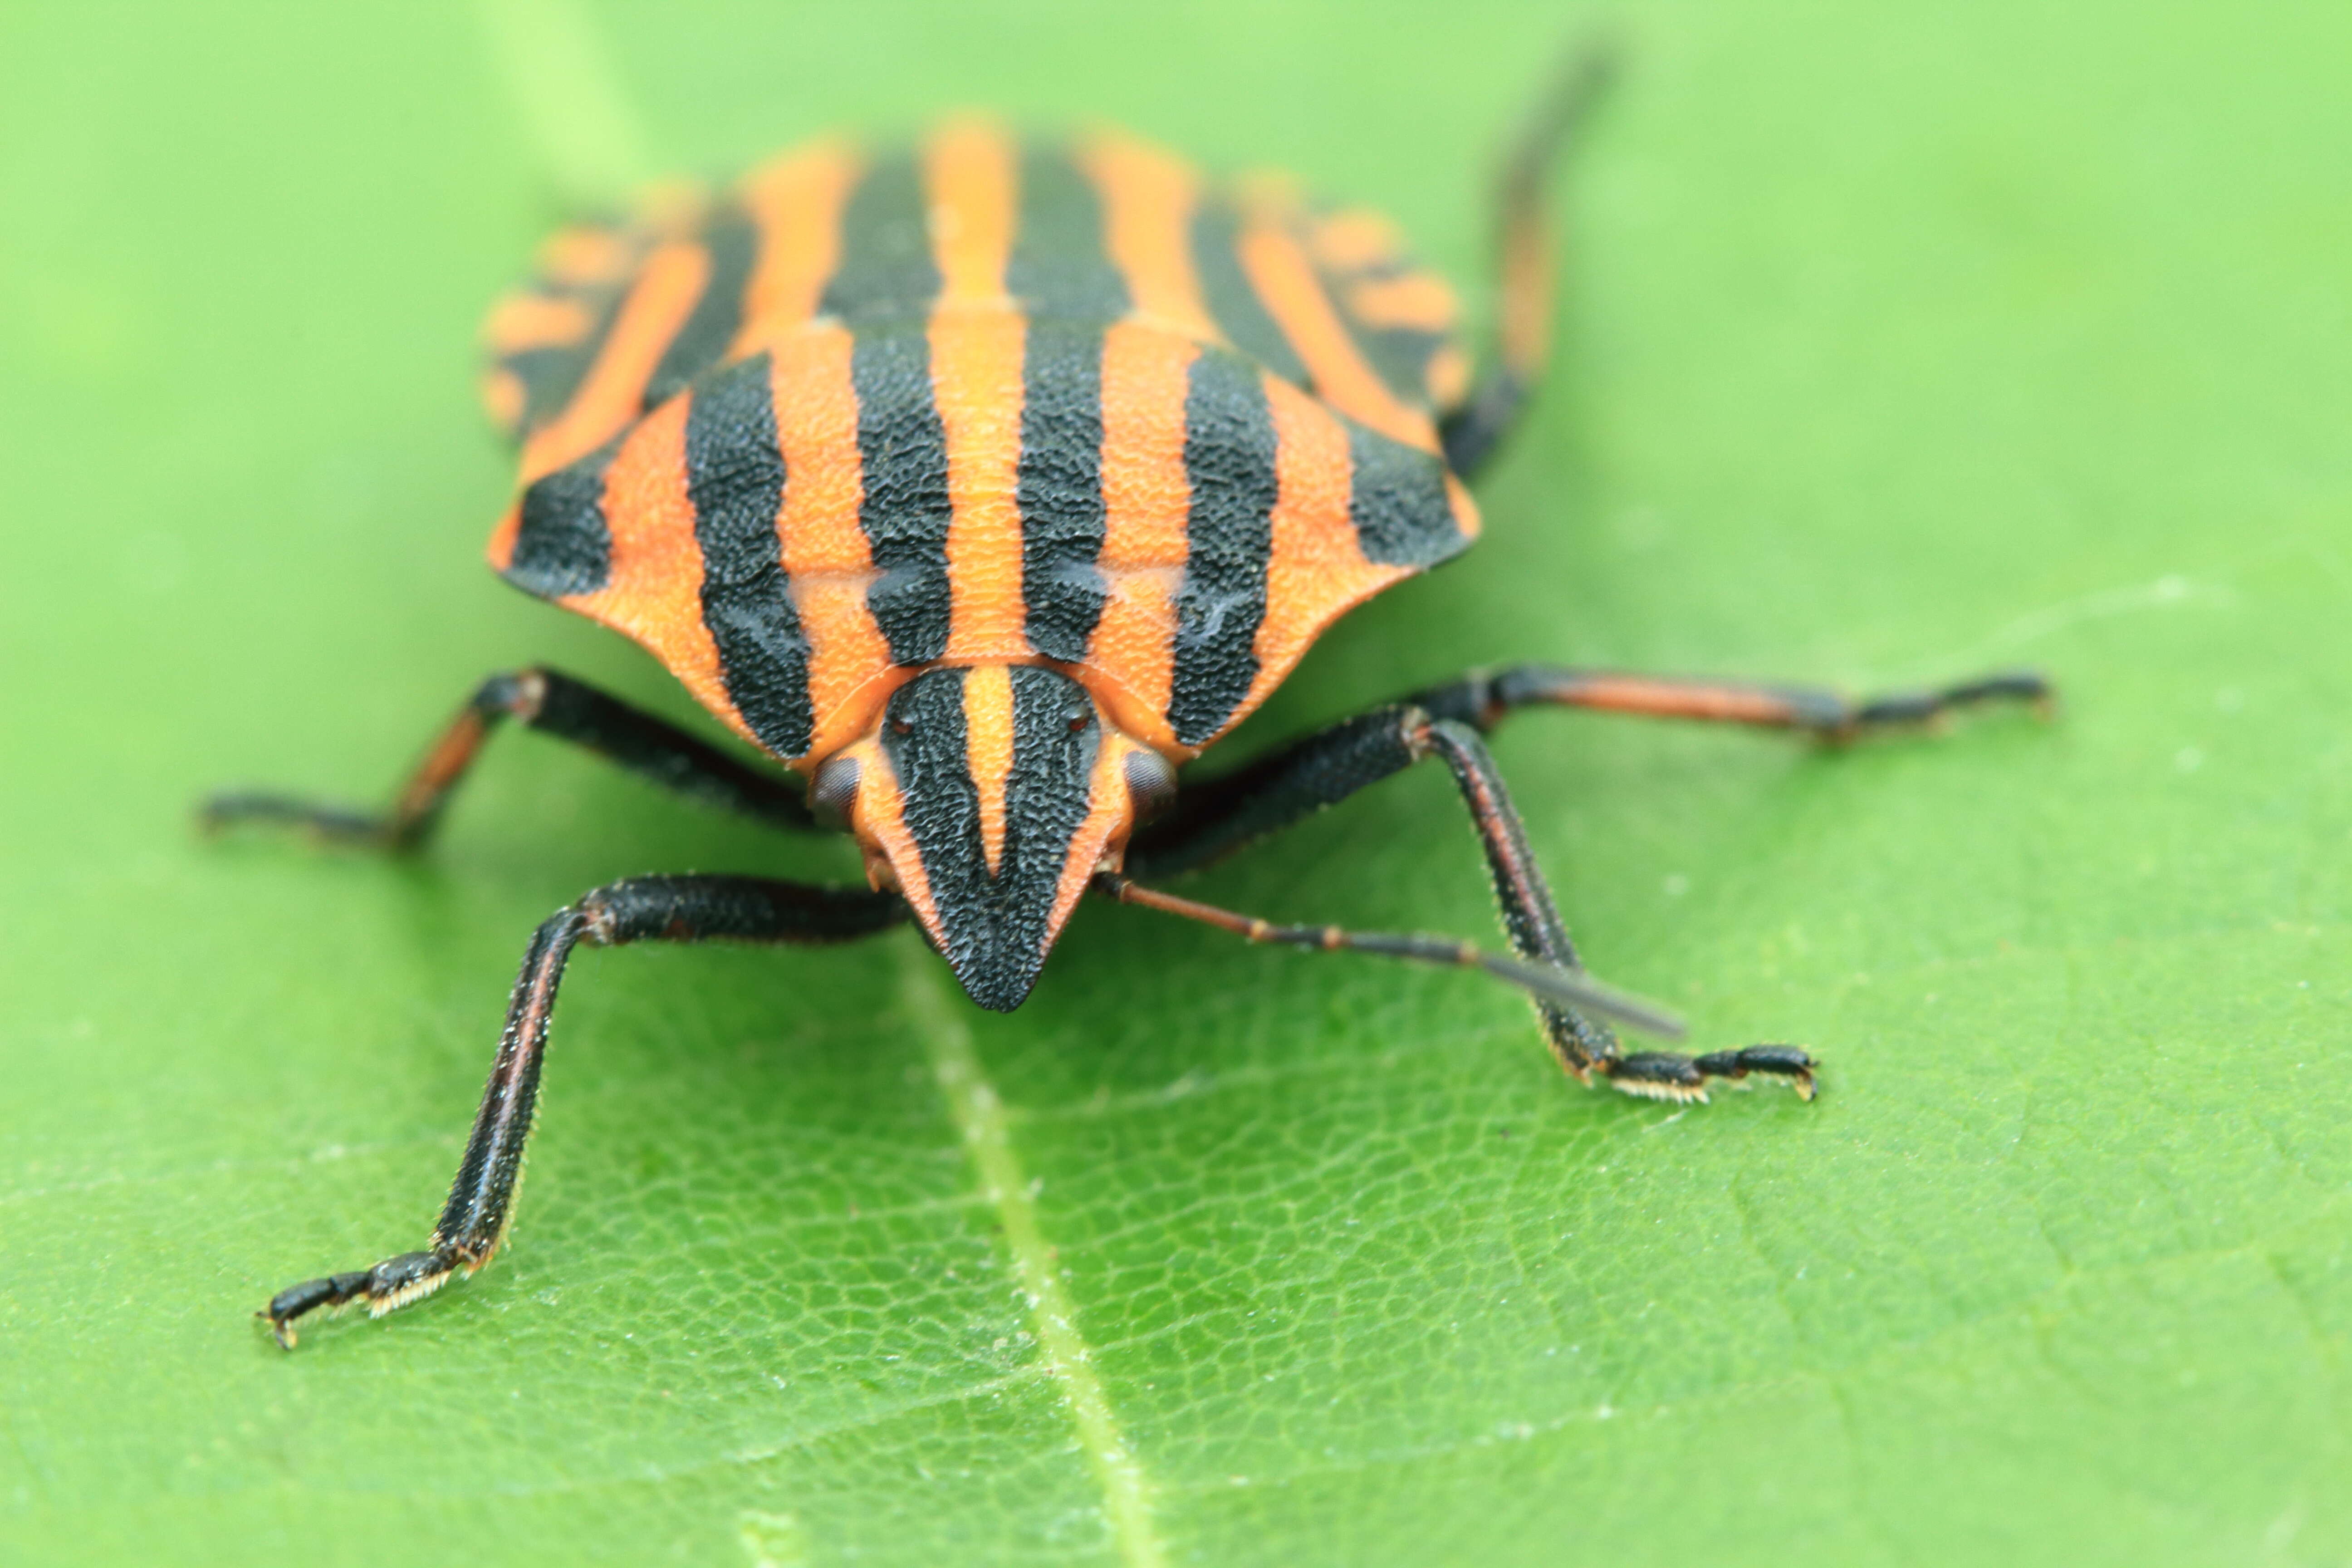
column 1893, row 348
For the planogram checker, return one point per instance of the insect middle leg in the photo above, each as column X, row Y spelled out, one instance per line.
column 1214, row 818
column 1482, row 698
column 641, row 909
column 556, row 704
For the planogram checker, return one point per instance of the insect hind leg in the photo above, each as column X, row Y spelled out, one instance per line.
column 1526, row 257
column 555, row 704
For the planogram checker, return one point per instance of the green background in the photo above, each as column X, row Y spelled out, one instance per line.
column 1893, row 346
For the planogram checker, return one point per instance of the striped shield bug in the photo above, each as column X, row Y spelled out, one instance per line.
column 983, row 484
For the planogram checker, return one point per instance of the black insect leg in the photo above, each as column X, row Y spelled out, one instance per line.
column 1216, row 817
column 641, row 909
column 1482, row 698
column 547, row 700
column 1526, row 254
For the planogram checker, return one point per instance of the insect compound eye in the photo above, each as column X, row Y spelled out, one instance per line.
column 1150, row 782
column 834, row 790
column 1078, row 718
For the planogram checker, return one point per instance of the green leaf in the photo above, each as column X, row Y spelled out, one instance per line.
column 1895, row 346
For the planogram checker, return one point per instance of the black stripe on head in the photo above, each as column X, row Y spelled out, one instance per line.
column 1060, row 489
column 1059, row 265
column 1397, row 502
column 886, row 266
column 994, row 928
column 564, row 545
column 1055, row 738
column 735, row 478
column 902, row 450
column 1229, row 459
column 733, row 244
column 924, row 739
column 1233, row 304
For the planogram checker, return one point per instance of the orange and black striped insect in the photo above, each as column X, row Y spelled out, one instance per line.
column 984, row 484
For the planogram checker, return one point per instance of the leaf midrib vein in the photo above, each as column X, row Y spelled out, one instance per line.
column 987, row 1127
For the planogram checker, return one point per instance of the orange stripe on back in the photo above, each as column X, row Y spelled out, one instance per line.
column 1148, row 201
column 658, row 306
column 988, row 750
column 1448, row 376
column 976, row 383
column 796, row 201
column 977, row 338
column 504, row 534
column 1355, row 238
column 825, row 550
column 503, row 396
column 1285, row 281
column 1465, row 510
column 1147, row 498
column 521, row 321
column 968, row 179
column 586, row 254
column 1419, row 302
column 1317, row 572
column 656, row 593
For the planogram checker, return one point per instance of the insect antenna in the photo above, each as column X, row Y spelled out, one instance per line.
column 1552, row 983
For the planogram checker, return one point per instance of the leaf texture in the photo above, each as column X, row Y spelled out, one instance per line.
column 1893, row 347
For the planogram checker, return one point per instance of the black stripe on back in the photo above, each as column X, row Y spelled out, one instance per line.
column 553, row 372
column 1059, row 265
column 1229, row 460
column 886, row 267
column 551, row 375
column 1398, row 356
column 564, row 545
column 1234, row 305
column 1397, row 502
column 733, row 244
column 1060, row 489
column 735, row 478
column 902, row 451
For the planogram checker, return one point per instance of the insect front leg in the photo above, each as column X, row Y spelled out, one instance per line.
column 1214, row 818
column 553, row 703
column 641, row 909
column 1584, row 1047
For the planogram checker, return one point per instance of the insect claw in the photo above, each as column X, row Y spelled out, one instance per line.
column 1659, row 1075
